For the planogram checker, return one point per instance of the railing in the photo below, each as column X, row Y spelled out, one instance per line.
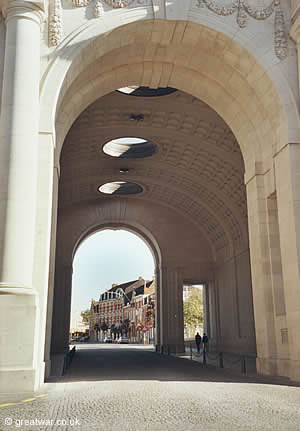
column 219, row 359
column 68, row 359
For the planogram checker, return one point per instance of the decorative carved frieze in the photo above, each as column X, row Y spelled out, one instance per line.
column 244, row 11
column 55, row 19
column 55, row 24
column 241, row 7
column 281, row 42
column 80, row 3
column 118, row 3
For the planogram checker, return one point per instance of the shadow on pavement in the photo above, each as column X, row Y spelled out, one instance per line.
column 107, row 363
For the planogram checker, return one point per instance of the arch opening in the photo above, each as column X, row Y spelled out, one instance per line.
column 146, row 91
column 120, row 188
column 116, row 269
column 129, row 147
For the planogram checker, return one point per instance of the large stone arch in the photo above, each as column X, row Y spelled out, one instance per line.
column 192, row 57
column 216, row 69
column 175, row 253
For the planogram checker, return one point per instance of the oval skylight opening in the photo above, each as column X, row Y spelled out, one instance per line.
column 146, row 91
column 129, row 148
column 129, row 141
column 127, row 90
column 120, row 188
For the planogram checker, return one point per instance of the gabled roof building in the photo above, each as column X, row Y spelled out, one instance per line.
column 125, row 309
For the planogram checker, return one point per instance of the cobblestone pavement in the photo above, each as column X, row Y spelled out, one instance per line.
column 130, row 388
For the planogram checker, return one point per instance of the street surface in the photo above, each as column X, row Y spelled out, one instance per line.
column 131, row 388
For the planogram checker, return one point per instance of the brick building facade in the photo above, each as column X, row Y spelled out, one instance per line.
column 126, row 309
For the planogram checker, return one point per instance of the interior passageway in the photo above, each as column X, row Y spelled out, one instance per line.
column 167, row 167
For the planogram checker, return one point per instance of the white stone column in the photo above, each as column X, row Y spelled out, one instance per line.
column 19, row 143
column 19, row 306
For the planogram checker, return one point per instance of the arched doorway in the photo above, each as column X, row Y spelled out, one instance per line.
column 62, row 294
column 116, row 269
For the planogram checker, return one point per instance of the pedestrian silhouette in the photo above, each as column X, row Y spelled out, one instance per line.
column 198, row 341
column 205, row 341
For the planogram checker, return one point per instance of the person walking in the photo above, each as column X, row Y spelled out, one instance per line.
column 198, row 341
column 205, row 341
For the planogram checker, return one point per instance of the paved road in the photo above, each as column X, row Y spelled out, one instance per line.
column 116, row 388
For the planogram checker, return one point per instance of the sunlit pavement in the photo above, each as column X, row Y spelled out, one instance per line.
column 130, row 387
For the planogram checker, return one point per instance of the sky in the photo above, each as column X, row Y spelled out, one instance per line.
column 107, row 257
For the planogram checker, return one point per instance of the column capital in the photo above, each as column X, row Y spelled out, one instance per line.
column 31, row 10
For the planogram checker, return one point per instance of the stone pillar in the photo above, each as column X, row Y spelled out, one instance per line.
column 287, row 173
column 211, row 314
column 19, row 307
column 171, row 311
column 261, row 276
column 277, row 287
column 44, row 217
column 157, row 308
column 61, row 309
column 51, row 274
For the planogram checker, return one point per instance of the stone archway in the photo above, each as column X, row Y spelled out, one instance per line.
column 63, row 280
column 134, row 215
column 191, row 57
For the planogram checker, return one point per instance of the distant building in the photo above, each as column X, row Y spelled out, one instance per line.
column 126, row 309
column 77, row 326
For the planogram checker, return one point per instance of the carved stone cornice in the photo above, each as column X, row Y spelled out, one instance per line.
column 31, row 10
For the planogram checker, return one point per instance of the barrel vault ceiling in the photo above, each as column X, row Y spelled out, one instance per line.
column 197, row 166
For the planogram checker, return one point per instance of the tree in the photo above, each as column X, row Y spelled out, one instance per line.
column 85, row 316
column 193, row 309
